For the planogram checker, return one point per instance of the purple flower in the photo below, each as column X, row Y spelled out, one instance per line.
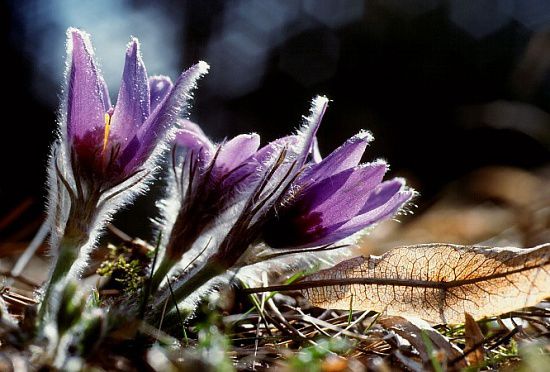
column 336, row 198
column 209, row 181
column 105, row 153
column 109, row 144
column 292, row 198
column 215, row 173
column 313, row 201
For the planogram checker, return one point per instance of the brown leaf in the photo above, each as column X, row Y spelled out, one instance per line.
column 474, row 339
column 436, row 282
column 411, row 330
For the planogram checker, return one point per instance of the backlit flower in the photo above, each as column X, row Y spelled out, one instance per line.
column 105, row 153
column 289, row 198
column 108, row 144
column 335, row 198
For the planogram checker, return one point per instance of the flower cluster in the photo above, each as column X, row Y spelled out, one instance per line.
column 236, row 196
column 231, row 199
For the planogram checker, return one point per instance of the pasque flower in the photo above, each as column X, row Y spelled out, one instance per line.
column 209, row 180
column 105, row 153
column 288, row 197
column 335, row 198
column 311, row 202
column 108, row 144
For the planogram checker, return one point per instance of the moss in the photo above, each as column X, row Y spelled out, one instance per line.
column 125, row 267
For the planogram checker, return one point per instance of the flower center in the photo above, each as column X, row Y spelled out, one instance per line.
column 106, row 132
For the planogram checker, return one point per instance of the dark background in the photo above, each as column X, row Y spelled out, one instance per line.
column 446, row 87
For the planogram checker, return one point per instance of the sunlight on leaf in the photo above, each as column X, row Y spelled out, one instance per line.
column 435, row 282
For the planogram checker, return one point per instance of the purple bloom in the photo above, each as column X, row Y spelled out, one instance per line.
column 110, row 144
column 211, row 176
column 209, row 180
column 335, row 198
column 288, row 197
column 321, row 201
column 292, row 197
column 105, row 152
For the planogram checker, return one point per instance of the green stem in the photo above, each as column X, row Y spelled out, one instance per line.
column 76, row 234
column 68, row 253
column 209, row 271
column 172, row 317
column 163, row 269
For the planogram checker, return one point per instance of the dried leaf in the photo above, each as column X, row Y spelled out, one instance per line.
column 411, row 330
column 474, row 339
column 435, row 282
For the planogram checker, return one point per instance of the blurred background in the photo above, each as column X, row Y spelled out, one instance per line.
column 456, row 93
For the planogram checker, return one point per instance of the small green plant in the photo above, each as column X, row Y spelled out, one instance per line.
column 125, row 269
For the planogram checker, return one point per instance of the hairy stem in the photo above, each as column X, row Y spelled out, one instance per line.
column 164, row 267
column 80, row 223
column 68, row 254
column 198, row 279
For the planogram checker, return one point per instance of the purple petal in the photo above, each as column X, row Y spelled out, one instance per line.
column 308, row 132
column 342, row 203
column 192, row 138
column 329, row 203
column 383, row 193
column 159, row 87
column 256, row 162
column 344, row 157
column 87, row 98
column 387, row 210
column 127, row 155
column 166, row 115
column 237, row 150
column 196, row 143
column 132, row 106
column 190, row 126
column 382, row 204
column 273, row 148
column 236, row 160
column 192, row 141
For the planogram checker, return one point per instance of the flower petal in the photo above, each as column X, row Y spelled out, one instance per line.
column 236, row 161
column 383, row 193
column 343, row 203
column 338, row 232
column 193, row 127
column 132, row 106
column 87, row 96
column 198, row 143
column 191, row 137
column 159, row 87
column 327, row 204
column 166, row 115
column 344, row 157
column 237, row 150
column 193, row 141
column 309, row 129
column 383, row 203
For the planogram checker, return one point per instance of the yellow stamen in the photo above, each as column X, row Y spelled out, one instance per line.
column 107, row 130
